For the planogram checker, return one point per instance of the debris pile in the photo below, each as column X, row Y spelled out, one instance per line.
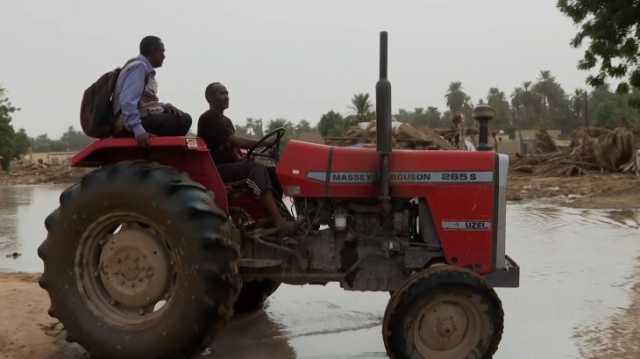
column 404, row 136
column 592, row 150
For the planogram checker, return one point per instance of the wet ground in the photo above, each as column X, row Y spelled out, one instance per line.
column 577, row 272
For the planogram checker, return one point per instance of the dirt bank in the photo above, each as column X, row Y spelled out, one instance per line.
column 28, row 332
column 37, row 173
column 609, row 191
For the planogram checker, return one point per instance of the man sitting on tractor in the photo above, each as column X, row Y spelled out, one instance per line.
column 136, row 100
column 218, row 132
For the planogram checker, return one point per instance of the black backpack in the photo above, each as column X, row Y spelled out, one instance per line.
column 96, row 111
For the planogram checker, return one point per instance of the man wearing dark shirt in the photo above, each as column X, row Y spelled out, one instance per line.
column 218, row 132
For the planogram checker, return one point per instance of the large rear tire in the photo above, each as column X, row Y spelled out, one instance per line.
column 444, row 312
column 138, row 263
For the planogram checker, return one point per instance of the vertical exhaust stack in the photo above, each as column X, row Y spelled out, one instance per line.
column 383, row 122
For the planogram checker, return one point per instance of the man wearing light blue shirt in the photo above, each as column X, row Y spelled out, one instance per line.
column 136, row 103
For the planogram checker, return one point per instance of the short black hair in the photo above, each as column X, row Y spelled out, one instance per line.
column 150, row 43
column 208, row 92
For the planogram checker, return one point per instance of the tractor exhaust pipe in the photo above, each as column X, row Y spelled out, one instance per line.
column 383, row 101
column 383, row 124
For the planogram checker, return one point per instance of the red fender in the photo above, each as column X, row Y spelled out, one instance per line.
column 188, row 154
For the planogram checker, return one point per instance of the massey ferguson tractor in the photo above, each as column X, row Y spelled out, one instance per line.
column 150, row 255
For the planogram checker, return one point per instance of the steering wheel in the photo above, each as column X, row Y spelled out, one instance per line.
column 270, row 150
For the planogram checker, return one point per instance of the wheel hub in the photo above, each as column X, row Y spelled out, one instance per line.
column 447, row 328
column 134, row 268
column 444, row 327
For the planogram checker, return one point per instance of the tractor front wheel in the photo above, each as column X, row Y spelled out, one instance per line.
column 443, row 313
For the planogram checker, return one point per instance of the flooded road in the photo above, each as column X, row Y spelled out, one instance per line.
column 576, row 266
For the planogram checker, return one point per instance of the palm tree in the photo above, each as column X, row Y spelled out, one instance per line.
column 361, row 106
column 456, row 97
column 527, row 105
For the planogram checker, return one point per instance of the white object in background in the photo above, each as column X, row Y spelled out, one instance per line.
column 468, row 144
column 340, row 221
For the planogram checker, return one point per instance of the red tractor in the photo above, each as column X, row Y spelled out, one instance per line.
column 151, row 253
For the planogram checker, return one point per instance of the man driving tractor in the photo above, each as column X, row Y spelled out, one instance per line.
column 224, row 144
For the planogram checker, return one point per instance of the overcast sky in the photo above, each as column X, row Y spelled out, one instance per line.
column 293, row 59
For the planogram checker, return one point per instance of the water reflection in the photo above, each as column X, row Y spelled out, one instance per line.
column 254, row 336
column 22, row 213
column 11, row 200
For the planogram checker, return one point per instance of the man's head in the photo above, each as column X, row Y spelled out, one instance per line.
column 217, row 96
column 152, row 48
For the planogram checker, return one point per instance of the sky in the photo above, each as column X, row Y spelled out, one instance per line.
column 293, row 59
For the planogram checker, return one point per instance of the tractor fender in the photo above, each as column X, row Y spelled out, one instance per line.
column 187, row 154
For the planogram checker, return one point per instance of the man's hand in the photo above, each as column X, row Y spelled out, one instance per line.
column 143, row 139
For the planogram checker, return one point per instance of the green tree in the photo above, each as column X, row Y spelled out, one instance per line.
column 403, row 116
column 498, row 100
column 280, row 122
column 42, row 143
column 417, row 117
column 362, row 107
column 7, row 133
column 73, row 140
column 555, row 105
column 578, row 107
column 612, row 31
column 445, row 119
column 608, row 109
column 421, row 118
column 456, row 97
column 302, row 127
column 332, row 124
column 21, row 143
column 527, row 106
column 287, row 125
column 434, row 118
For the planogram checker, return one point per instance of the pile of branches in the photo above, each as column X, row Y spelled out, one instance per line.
column 592, row 150
column 404, row 136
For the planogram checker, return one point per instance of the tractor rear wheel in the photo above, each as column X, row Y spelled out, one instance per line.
column 444, row 312
column 138, row 263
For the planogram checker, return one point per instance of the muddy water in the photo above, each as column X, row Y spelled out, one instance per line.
column 576, row 271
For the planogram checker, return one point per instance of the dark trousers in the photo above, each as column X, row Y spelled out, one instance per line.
column 259, row 177
column 162, row 124
column 167, row 124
